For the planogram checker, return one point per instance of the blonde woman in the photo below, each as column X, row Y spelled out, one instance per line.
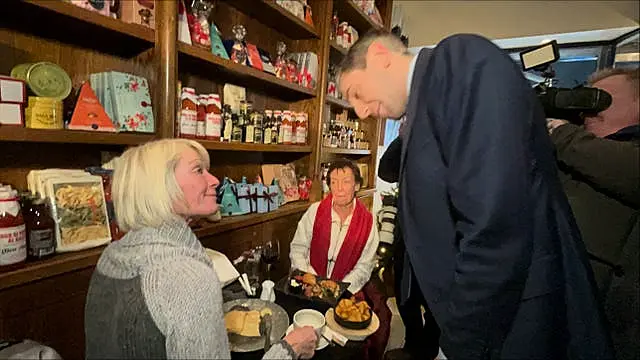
column 154, row 293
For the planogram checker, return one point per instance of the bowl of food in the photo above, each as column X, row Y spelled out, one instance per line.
column 313, row 287
column 352, row 314
column 308, row 317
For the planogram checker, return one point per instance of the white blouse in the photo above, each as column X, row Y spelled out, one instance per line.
column 300, row 248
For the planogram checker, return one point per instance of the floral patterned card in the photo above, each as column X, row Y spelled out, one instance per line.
column 131, row 102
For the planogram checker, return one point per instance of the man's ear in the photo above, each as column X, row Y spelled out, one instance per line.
column 378, row 56
column 357, row 187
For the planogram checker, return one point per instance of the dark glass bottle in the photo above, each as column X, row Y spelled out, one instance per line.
column 41, row 240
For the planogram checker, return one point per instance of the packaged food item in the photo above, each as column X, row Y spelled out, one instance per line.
column 80, row 212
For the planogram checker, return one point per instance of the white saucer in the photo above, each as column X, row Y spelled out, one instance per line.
column 323, row 343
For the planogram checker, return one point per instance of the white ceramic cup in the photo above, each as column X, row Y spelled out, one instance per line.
column 308, row 317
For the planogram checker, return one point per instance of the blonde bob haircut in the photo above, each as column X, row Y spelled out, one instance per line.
column 144, row 187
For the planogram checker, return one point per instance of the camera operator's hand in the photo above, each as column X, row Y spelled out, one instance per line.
column 552, row 124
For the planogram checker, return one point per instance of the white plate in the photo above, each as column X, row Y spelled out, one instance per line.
column 321, row 344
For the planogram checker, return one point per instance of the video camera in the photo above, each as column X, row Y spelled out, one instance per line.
column 562, row 103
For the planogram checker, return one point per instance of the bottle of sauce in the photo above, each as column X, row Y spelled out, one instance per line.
column 278, row 127
column 287, row 128
column 213, row 119
column 258, row 131
column 228, row 123
column 40, row 230
column 268, row 114
column 236, row 133
column 202, row 115
column 249, row 125
column 13, row 234
column 294, row 127
column 301, row 129
column 188, row 113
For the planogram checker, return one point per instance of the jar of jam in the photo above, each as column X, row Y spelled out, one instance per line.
column 40, row 229
column 13, row 239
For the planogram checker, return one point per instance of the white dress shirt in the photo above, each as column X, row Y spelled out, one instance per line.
column 300, row 247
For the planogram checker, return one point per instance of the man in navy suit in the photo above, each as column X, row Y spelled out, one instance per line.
column 488, row 231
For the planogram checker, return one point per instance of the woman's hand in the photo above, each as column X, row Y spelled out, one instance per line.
column 303, row 341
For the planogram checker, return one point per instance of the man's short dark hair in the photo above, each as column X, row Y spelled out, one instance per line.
column 344, row 164
column 356, row 57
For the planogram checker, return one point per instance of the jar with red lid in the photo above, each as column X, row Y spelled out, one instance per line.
column 13, row 235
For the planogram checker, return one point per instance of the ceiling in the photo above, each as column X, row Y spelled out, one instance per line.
column 428, row 22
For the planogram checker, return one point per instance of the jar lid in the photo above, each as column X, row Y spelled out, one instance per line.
column 6, row 194
column 49, row 80
column 20, row 71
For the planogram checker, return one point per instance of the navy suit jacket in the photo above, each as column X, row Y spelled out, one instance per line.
column 487, row 227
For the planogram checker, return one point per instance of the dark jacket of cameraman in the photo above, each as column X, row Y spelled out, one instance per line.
column 601, row 177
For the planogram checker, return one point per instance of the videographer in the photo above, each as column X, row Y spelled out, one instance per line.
column 600, row 169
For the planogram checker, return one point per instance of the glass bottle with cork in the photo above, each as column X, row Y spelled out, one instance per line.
column 268, row 115
column 258, row 131
column 249, row 126
column 228, row 123
column 278, row 134
column 287, row 128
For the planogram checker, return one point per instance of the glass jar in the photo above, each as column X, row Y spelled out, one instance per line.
column 13, row 239
column 40, row 229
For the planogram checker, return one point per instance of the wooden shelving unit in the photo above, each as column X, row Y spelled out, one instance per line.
column 334, row 47
column 225, row 146
column 330, row 150
column 22, row 134
column 339, row 103
column 74, row 261
column 84, row 42
column 348, row 11
column 235, row 222
column 63, row 21
column 273, row 15
column 54, row 266
column 239, row 74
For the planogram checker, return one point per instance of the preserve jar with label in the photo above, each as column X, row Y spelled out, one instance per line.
column 40, row 229
column 13, row 237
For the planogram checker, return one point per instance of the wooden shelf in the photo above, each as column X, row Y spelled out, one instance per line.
column 68, row 23
column 366, row 192
column 275, row 16
column 22, row 134
column 334, row 47
column 14, row 275
column 330, row 150
column 348, row 11
column 225, row 146
column 227, row 70
column 235, row 222
column 338, row 103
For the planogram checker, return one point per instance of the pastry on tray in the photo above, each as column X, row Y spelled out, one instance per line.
column 243, row 323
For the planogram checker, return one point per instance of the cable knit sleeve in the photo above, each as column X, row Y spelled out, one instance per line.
column 185, row 301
